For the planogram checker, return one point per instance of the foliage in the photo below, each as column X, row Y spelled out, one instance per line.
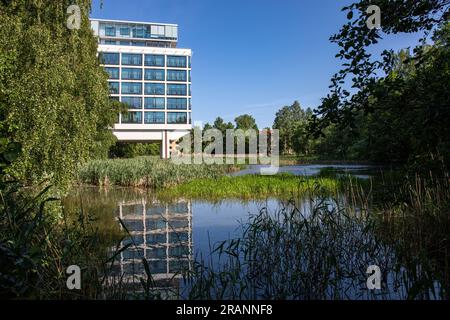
column 246, row 122
column 53, row 92
column 132, row 150
column 147, row 172
column 250, row 187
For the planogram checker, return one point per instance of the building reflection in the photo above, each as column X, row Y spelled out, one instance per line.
column 160, row 233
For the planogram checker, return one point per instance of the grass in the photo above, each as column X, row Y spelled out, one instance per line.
column 323, row 251
column 250, row 187
column 146, row 172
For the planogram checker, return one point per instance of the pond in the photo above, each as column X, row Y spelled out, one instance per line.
column 174, row 236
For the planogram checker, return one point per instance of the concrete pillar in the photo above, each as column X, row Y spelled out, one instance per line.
column 165, row 145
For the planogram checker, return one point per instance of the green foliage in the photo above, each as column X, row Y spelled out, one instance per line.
column 250, row 187
column 246, row 122
column 53, row 92
column 148, row 172
column 400, row 106
column 132, row 150
column 291, row 121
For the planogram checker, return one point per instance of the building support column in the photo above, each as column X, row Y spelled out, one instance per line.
column 165, row 145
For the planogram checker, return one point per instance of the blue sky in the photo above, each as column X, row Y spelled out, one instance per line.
column 250, row 56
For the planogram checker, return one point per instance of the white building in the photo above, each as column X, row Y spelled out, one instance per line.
column 151, row 75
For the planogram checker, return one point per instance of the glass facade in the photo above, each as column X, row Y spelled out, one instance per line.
column 131, row 74
column 177, row 103
column 154, row 103
column 176, row 89
column 176, row 61
column 132, row 117
column 153, row 60
column 131, row 88
column 109, row 58
column 112, row 72
column 133, row 102
column 114, row 87
column 149, row 82
column 154, row 74
column 176, row 75
column 154, row 89
column 131, row 59
column 176, row 117
column 154, row 118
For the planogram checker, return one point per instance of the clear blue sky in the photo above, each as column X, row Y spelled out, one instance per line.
column 250, row 56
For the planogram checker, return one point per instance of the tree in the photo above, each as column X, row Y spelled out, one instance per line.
column 246, row 122
column 54, row 97
column 355, row 38
column 287, row 120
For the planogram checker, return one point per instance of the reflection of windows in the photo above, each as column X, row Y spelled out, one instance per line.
column 124, row 31
column 154, row 103
column 177, row 103
column 176, row 75
column 113, row 72
column 133, row 102
column 154, row 88
column 131, row 74
column 132, row 117
column 113, row 87
column 110, row 31
column 154, row 60
column 177, row 117
column 154, row 117
column 138, row 32
column 154, row 74
column 131, row 59
column 131, row 88
column 176, row 61
column 109, row 58
column 176, row 89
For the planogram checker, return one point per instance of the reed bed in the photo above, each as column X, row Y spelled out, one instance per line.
column 146, row 172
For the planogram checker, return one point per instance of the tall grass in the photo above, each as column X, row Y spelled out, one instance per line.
column 147, row 172
column 251, row 187
column 324, row 252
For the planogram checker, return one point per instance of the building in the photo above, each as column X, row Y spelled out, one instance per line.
column 149, row 73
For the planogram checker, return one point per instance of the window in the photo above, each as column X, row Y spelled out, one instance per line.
column 177, row 117
column 189, row 62
column 176, row 89
column 154, row 74
column 132, row 117
column 131, row 59
column 133, row 102
column 124, row 31
column 131, row 88
column 131, row 74
column 176, row 75
column 177, row 103
column 154, row 103
column 153, row 60
column 154, row 88
column 112, row 72
column 176, row 61
column 110, row 31
column 190, row 104
column 189, row 75
column 124, row 43
column 113, row 87
column 109, row 58
column 113, row 42
column 154, row 117
column 138, row 32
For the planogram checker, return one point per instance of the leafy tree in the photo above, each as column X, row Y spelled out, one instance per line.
column 246, row 122
column 53, row 92
column 288, row 120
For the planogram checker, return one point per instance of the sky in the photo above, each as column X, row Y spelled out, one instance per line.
column 250, row 56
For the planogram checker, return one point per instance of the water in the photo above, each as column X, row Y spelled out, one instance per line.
column 171, row 236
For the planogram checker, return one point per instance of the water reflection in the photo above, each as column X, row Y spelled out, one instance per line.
column 161, row 233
